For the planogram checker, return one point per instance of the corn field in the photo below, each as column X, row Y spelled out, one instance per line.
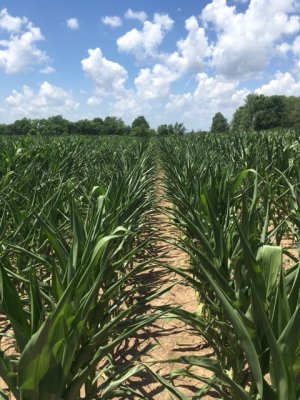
column 75, row 226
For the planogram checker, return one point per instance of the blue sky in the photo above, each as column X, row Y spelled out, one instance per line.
column 167, row 60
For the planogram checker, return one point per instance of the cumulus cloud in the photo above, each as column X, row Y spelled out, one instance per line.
column 113, row 21
column 192, row 50
column 73, row 24
column 212, row 94
column 283, row 48
column 10, row 23
column 245, row 41
column 129, row 105
column 49, row 100
column 19, row 51
column 47, row 70
column 282, row 84
column 296, row 46
column 143, row 43
column 295, row 49
column 154, row 83
column 179, row 101
column 139, row 15
column 209, row 87
column 108, row 76
column 94, row 101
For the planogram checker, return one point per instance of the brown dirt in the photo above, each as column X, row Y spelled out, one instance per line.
column 288, row 243
column 8, row 346
column 172, row 337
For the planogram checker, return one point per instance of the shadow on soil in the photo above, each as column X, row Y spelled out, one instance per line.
column 151, row 281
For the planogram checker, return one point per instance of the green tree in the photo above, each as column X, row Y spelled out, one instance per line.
column 140, row 127
column 176, row 129
column 241, row 120
column 82, row 127
column 4, row 129
column 179, row 129
column 20, row 127
column 114, row 126
column 266, row 112
column 162, row 130
column 219, row 124
column 55, row 125
column 291, row 115
column 98, row 126
column 260, row 113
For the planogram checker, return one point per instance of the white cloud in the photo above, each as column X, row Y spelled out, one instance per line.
column 238, row 98
column 192, row 50
column 154, row 83
column 10, row 23
column 72, row 23
column 143, row 43
column 296, row 46
column 129, row 106
column 245, row 41
column 213, row 88
column 283, row 48
column 94, row 101
column 282, row 84
column 212, row 94
column 113, row 21
column 108, row 76
column 179, row 101
column 47, row 70
column 49, row 100
column 139, row 15
column 19, row 52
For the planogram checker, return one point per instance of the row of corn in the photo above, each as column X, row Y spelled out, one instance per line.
column 72, row 212
column 236, row 200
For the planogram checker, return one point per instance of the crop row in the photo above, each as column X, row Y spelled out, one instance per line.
column 236, row 200
column 71, row 215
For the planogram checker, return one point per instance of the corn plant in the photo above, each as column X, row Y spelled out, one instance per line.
column 248, row 306
column 67, row 268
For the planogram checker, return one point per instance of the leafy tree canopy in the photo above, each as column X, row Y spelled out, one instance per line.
column 266, row 112
column 176, row 129
column 140, row 127
column 219, row 124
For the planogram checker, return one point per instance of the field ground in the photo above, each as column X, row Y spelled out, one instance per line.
column 172, row 337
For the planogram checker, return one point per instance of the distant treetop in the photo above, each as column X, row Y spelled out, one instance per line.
column 219, row 124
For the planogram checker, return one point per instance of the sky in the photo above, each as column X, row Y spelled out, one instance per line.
column 168, row 60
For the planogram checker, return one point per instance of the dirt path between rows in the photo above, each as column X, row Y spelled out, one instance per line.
column 172, row 337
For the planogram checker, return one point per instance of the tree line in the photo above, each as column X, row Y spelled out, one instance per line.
column 259, row 113
column 57, row 125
